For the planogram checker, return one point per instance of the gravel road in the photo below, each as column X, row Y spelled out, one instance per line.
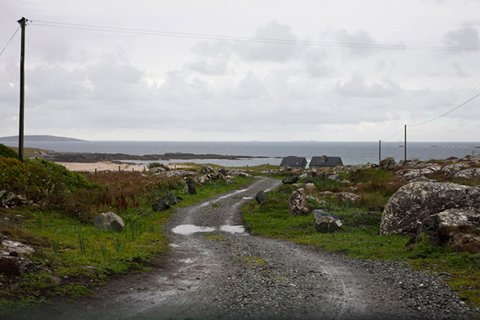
column 218, row 271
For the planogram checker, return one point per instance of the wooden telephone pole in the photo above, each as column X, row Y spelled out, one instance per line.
column 22, row 23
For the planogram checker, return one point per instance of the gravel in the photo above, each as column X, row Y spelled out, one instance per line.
column 231, row 275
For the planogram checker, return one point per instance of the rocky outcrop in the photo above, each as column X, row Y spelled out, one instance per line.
column 387, row 163
column 326, row 222
column 470, row 173
column 451, row 169
column 109, row 221
column 413, row 203
column 298, row 203
column 10, row 200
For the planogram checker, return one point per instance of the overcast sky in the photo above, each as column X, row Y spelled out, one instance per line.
column 211, row 71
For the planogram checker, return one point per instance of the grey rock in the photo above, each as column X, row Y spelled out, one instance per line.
column 411, row 204
column 387, row 163
column 290, row 180
column 261, row 197
column 454, row 168
column 109, row 221
column 335, row 177
column 470, row 173
column 326, row 222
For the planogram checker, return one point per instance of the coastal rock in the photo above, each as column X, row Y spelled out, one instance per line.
column 417, row 173
column 411, row 204
column 326, row 222
column 470, row 173
column 454, row 168
column 298, row 203
column 387, row 163
column 109, row 221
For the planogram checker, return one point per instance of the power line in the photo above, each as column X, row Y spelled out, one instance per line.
column 244, row 39
column 444, row 114
column 9, row 41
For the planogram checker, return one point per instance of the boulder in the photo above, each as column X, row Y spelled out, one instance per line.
column 348, row 196
column 290, row 180
column 451, row 169
column 417, row 173
column 190, row 186
column 109, row 221
column 452, row 227
column 335, row 177
column 309, row 188
column 387, row 163
column 470, row 173
column 164, row 203
column 413, row 203
column 261, row 197
column 326, row 222
column 298, row 203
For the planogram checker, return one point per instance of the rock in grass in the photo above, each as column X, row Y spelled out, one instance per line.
column 326, row 222
column 261, row 197
column 190, row 186
column 109, row 221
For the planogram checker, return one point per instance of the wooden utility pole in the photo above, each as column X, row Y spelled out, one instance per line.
column 379, row 151
column 405, row 144
column 22, row 23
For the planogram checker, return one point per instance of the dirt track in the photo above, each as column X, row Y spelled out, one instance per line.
column 218, row 271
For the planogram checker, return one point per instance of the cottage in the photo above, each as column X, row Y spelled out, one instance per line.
column 325, row 161
column 294, row 162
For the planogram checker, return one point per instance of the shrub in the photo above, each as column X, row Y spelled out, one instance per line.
column 7, row 152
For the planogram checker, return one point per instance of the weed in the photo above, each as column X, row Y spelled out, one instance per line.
column 118, row 245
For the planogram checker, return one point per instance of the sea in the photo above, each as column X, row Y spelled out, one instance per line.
column 351, row 153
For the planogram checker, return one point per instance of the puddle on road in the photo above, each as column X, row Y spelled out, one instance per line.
column 233, row 229
column 188, row 229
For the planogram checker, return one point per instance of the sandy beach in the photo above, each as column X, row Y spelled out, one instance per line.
column 101, row 166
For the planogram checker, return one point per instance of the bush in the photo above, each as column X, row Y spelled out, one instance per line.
column 7, row 152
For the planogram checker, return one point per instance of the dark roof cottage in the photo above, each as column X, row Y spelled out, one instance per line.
column 325, row 161
column 295, row 162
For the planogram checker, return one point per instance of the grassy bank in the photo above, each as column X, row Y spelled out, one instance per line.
column 71, row 256
column 359, row 236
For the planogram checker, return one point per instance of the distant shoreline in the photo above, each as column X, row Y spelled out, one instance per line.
column 37, row 138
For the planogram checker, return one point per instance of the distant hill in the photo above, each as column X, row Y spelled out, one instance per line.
column 39, row 138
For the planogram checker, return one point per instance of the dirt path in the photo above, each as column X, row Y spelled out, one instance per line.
column 217, row 271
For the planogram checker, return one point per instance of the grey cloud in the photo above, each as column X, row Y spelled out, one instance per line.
column 358, row 87
column 465, row 37
column 359, row 37
column 269, row 52
column 208, row 67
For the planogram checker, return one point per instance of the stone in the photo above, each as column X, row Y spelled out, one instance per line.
column 326, row 222
column 298, row 203
column 387, row 163
column 261, row 197
column 190, row 186
column 290, row 180
column 9, row 268
column 417, row 173
column 109, row 221
column 413, row 203
column 309, row 188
